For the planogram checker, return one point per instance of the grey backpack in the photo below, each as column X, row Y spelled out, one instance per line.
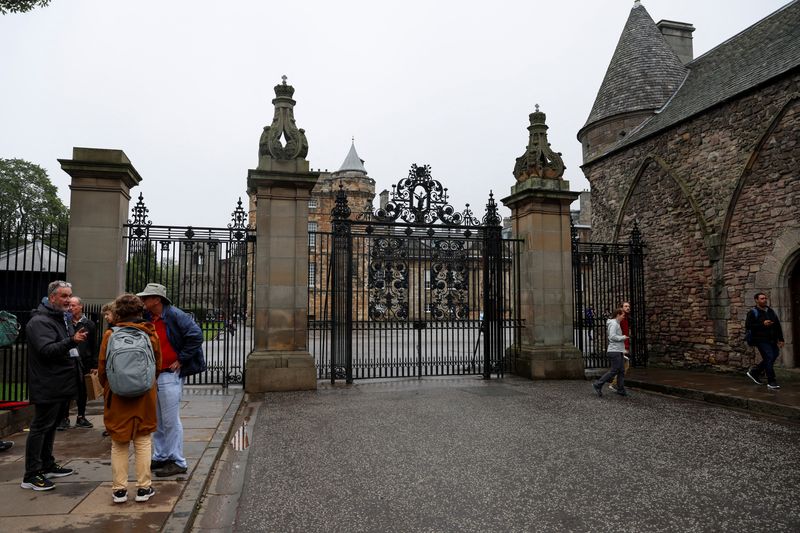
column 130, row 362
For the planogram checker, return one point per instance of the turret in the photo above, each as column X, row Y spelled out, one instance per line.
column 644, row 72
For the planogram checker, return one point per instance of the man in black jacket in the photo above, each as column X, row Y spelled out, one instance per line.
column 52, row 350
column 88, row 363
column 767, row 337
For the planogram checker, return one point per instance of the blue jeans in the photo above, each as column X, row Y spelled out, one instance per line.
column 168, row 438
column 769, row 353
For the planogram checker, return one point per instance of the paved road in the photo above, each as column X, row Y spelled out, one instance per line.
column 462, row 454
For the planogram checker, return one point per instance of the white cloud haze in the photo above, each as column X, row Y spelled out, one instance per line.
column 185, row 87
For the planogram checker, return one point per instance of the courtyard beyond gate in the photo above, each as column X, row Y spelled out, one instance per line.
column 208, row 274
column 414, row 288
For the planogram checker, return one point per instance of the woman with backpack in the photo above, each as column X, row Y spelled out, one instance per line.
column 129, row 416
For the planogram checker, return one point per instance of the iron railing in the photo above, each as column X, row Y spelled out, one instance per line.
column 407, row 291
column 604, row 276
column 208, row 273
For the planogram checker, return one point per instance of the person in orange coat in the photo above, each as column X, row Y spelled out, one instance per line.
column 130, row 419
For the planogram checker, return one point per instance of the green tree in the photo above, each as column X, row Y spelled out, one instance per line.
column 28, row 199
column 20, row 6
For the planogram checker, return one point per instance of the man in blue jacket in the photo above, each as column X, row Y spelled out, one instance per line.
column 52, row 356
column 182, row 355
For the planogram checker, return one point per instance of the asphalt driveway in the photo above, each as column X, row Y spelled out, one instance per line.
column 463, row 454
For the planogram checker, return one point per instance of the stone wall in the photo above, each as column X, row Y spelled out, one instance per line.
column 712, row 196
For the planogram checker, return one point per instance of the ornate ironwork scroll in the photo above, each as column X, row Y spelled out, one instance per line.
column 449, row 280
column 388, row 279
column 420, row 199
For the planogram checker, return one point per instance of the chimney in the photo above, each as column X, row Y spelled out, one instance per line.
column 585, row 217
column 384, row 198
column 679, row 37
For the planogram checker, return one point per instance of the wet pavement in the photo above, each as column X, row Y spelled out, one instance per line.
column 449, row 454
column 82, row 501
column 463, row 454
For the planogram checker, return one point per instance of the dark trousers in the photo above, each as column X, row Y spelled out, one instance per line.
column 39, row 446
column 81, row 398
column 769, row 353
column 617, row 369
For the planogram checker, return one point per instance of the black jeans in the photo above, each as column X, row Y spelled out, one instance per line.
column 39, row 446
column 617, row 369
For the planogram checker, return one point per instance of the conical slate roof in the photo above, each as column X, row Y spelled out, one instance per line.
column 644, row 71
column 352, row 162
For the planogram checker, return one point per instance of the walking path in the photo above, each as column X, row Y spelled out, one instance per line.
column 304, row 432
column 82, row 501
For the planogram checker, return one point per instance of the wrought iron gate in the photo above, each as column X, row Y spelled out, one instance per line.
column 208, row 273
column 604, row 276
column 413, row 289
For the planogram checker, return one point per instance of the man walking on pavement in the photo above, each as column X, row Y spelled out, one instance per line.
column 767, row 336
column 52, row 348
column 182, row 355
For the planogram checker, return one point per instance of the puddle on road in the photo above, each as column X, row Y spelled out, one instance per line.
column 241, row 438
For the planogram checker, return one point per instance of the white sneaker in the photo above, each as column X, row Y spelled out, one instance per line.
column 773, row 386
column 612, row 387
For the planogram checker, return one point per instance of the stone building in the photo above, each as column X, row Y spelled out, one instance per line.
column 703, row 153
column 360, row 188
column 352, row 176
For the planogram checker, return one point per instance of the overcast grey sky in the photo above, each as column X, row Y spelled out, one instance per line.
column 185, row 87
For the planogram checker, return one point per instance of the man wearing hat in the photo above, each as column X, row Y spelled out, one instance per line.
column 182, row 355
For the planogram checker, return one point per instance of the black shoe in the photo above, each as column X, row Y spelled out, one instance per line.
column 57, row 471
column 754, row 377
column 120, row 496
column 81, row 422
column 37, row 482
column 172, row 469
column 142, row 495
column 64, row 424
column 598, row 389
column 5, row 445
column 155, row 464
column 773, row 386
column 622, row 392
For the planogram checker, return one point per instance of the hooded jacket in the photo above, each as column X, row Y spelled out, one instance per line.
column 52, row 374
column 616, row 340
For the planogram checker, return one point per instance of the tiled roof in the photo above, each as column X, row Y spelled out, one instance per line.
column 35, row 256
column 765, row 50
column 643, row 73
column 352, row 161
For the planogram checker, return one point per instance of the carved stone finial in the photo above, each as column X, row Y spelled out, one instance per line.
column 539, row 160
column 283, row 127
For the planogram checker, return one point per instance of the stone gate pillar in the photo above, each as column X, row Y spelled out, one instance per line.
column 279, row 191
column 100, row 193
column 540, row 203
